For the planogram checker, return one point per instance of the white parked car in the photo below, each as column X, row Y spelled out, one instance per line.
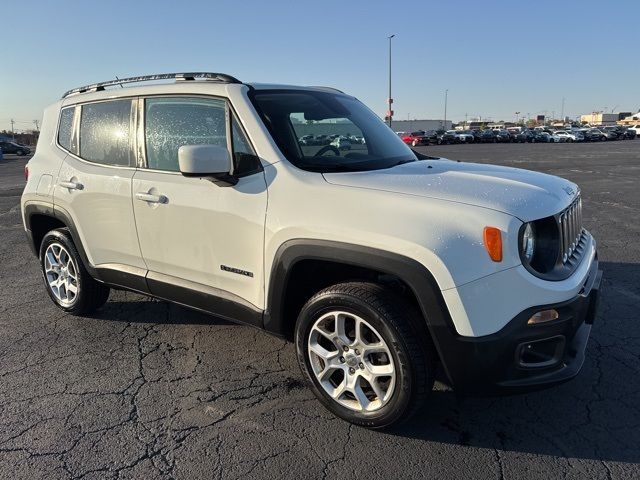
column 562, row 136
column 463, row 136
column 379, row 266
column 635, row 128
column 341, row 143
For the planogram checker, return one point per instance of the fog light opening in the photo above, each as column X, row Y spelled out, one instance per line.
column 543, row 316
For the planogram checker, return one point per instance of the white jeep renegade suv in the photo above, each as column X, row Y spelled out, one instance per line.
column 379, row 262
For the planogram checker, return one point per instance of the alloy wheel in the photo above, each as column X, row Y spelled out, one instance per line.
column 351, row 361
column 61, row 274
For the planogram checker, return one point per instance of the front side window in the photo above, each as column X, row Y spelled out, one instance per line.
column 105, row 131
column 173, row 122
column 66, row 127
column 340, row 133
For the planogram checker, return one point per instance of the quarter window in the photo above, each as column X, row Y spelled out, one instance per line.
column 105, row 132
column 66, row 127
column 173, row 122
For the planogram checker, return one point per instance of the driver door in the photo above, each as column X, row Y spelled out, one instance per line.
column 197, row 238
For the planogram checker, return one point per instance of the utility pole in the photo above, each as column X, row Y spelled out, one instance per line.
column 562, row 114
column 13, row 135
column 390, row 100
column 446, row 93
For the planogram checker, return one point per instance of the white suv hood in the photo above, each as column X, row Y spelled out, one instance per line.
column 522, row 193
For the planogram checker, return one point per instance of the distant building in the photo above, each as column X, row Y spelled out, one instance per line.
column 415, row 125
column 598, row 118
column 631, row 119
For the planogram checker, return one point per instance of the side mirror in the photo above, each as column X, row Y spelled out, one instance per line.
column 206, row 161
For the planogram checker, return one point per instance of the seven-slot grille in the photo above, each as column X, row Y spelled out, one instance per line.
column 571, row 231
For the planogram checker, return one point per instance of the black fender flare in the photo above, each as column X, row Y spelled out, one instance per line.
column 60, row 214
column 410, row 271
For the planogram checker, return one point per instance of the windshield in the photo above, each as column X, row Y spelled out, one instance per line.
column 345, row 135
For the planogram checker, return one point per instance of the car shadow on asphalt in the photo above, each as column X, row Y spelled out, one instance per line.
column 149, row 310
column 596, row 415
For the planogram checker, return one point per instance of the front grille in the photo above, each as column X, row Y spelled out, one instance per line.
column 572, row 237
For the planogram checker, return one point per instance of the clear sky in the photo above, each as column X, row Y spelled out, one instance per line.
column 495, row 57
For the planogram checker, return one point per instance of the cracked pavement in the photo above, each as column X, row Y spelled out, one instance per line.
column 145, row 389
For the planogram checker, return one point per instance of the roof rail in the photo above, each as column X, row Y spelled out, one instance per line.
column 96, row 87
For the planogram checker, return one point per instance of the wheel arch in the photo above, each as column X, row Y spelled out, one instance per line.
column 286, row 289
column 42, row 218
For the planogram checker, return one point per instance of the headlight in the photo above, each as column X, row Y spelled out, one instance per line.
column 528, row 245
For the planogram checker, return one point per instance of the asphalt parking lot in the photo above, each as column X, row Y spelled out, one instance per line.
column 145, row 389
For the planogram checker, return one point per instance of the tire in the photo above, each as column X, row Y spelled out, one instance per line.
column 414, row 143
column 89, row 294
column 388, row 320
column 20, row 152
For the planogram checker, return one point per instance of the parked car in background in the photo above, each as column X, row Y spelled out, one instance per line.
column 449, row 137
column 613, row 133
column 416, row 138
column 488, row 136
column 432, row 136
column 307, row 140
column 341, row 143
column 12, row 147
column 630, row 134
column 568, row 137
column 465, row 136
column 594, row 135
column 525, row 136
column 540, row 136
column 503, row 136
column 635, row 128
column 555, row 138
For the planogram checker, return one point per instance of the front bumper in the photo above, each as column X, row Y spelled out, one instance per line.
column 493, row 364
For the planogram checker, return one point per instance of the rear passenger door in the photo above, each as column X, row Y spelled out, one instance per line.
column 94, row 182
column 198, row 239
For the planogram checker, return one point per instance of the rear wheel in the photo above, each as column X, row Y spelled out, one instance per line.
column 364, row 354
column 67, row 281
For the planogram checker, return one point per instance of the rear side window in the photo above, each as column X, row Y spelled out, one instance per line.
column 66, row 127
column 105, row 132
column 173, row 122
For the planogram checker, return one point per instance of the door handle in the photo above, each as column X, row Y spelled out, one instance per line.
column 71, row 185
column 151, row 198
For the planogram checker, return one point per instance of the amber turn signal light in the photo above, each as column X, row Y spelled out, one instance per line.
column 493, row 243
column 543, row 316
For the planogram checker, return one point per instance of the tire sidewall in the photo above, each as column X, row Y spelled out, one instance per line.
column 61, row 237
column 402, row 394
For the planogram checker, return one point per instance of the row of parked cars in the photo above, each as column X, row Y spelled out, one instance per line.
column 341, row 142
column 534, row 135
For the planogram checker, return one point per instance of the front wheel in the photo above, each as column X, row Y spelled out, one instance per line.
column 364, row 354
column 67, row 281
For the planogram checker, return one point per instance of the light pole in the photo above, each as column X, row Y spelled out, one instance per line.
column 390, row 100
column 446, row 93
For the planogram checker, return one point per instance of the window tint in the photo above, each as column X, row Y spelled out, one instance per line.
column 104, row 132
column 173, row 122
column 65, row 129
